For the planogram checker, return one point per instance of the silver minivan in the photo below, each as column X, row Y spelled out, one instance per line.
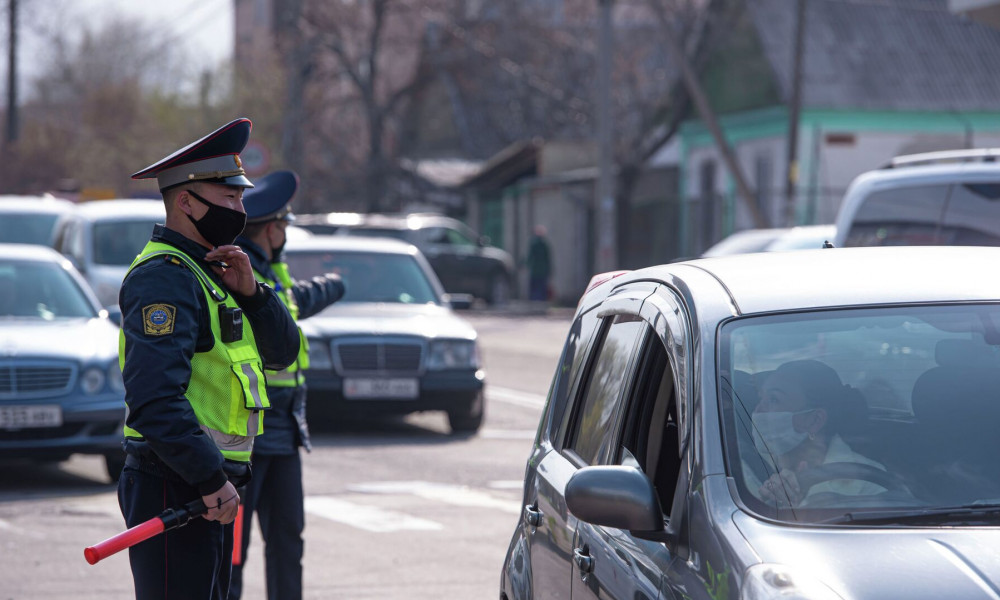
column 817, row 424
column 938, row 198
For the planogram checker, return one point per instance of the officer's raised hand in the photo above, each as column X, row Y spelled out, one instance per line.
column 237, row 275
column 222, row 504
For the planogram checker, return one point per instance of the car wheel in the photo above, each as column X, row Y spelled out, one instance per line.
column 114, row 463
column 469, row 418
column 499, row 289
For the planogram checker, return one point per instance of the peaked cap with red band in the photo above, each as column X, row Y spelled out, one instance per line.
column 214, row 158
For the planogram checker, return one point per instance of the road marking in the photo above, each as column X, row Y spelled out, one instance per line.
column 516, row 397
column 506, row 484
column 507, row 434
column 457, row 495
column 369, row 518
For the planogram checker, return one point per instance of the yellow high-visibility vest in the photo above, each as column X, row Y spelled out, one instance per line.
column 227, row 389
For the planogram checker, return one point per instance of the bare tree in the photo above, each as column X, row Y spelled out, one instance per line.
column 364, row 74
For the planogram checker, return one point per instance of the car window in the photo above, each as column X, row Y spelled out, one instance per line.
column 650, row 437
column 28, row 228
column 592, row 419
column 908, row 393
column 457, row 238
column 906, row 216
column 972, row 217
column 571, row 363
column 369, row 276
column 40, row 290
column 436, row 235
column 119, row 242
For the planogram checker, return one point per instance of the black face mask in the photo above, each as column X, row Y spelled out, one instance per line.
column 220, row 225
column 277, row 250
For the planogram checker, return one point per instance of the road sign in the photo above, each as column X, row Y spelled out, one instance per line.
column 256, row 158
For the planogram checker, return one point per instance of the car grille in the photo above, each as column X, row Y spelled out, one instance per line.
column 24, row 380
column 378, row 356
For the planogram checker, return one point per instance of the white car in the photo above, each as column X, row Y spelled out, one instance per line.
column 30, row 219
column 102, row 238
column 932, row 199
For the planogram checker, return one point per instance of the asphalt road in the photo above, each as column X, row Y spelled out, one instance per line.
column 395, row 508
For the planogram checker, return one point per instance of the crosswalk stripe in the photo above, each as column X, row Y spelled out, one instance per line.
column 457, row 495
column 507, row 434
column 516, row 397
column 369, row 518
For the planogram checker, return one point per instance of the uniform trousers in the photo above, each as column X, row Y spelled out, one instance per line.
column 192, row 562
column 275, row 495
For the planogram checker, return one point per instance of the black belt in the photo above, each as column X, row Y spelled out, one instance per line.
column 153, row 466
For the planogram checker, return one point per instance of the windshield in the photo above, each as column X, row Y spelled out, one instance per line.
column 35, row 228
column 119, row 242
column 368, row 276
column 858, row 410
column 32, row 289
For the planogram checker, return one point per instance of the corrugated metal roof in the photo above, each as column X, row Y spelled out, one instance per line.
column 883, row 54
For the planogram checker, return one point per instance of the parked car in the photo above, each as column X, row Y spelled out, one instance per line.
column 937, row 198
column 464, row 261
column 102, row 238
column 30, row 219
column 61, row 390
column 813, row 424
column 392, row 344
column 777, row 239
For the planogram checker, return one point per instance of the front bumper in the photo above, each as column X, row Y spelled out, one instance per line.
column 89, row 426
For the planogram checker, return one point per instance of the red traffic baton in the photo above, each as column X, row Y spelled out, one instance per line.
column 171, row 518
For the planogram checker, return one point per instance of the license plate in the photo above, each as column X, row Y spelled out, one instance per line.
column 389, row 389
column 23, row 417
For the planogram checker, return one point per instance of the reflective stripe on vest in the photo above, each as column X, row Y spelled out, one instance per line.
column 227, row 389
column 291, row 376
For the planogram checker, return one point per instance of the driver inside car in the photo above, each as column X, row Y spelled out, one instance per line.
column 796, row 429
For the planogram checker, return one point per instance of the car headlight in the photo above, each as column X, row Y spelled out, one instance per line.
column 319, row 356
column 453, row 354
column 115, row 381
column 767, row 581
column 92, row 380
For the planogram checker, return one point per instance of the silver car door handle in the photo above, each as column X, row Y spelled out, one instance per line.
column 583, row 560
column 532, row 516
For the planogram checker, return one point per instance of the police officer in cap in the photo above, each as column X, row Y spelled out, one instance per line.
column 275, row 492
column 197, row 333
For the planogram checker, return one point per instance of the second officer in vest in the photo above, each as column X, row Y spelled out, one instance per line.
column 275, row 492
column 197, row 333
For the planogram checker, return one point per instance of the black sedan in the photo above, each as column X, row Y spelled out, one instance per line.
column 61, row 390
column 393, row 344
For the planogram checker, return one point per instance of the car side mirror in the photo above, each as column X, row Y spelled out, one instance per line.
column 459, row 301
column 619, row 497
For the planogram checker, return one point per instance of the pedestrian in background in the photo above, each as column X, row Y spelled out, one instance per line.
column 197, row 333
column 275, row 492
column 539, row 264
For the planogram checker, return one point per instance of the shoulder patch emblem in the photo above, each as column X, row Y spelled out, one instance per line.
column 158, row 319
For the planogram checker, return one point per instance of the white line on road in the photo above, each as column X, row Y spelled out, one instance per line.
column 507, row 434
column 369, row 518
column 516, row 397
column 457, row 495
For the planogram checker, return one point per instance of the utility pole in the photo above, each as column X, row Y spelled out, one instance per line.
column 794, row 107
column 606, row 224
column 12, row 132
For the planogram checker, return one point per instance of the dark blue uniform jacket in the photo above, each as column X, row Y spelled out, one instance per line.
column 285, row 424
column 158, row 368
